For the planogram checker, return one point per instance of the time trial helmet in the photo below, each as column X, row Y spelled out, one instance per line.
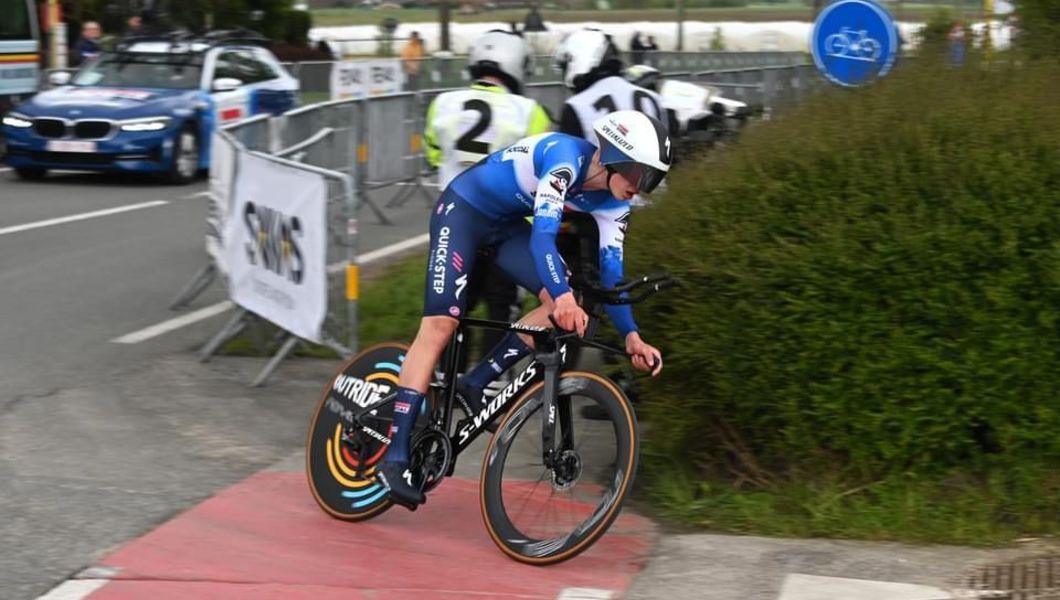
column 636, row 146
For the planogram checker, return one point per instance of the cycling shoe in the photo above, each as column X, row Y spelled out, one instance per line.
column 397, row 477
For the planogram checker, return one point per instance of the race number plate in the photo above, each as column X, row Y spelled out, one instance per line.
column 71, row 146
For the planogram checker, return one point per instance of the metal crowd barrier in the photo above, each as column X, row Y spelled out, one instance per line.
column 339, row 330
column 362, row 145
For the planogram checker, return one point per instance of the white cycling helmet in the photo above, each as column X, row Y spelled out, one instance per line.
column 584, row 54
column 636, row 146
column 502, row 54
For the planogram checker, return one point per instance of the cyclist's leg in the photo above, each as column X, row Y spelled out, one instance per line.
column 457, row 229
column 510, row 258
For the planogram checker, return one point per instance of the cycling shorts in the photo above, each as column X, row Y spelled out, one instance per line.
column 458, row 230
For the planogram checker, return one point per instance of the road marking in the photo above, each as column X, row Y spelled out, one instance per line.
column 812, row 587
column 74, row 589
column 421, row 183
column 585, row 594
column 5, row 169
column 81, row 217
column 166, row 326
column 196, row 195
column 385, row 251
column 205, row 313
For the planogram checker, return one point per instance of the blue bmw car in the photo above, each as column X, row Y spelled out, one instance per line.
column 148, row 107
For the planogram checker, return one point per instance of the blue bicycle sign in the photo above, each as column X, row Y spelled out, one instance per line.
column 854, row 42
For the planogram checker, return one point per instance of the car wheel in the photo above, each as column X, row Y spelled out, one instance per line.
column 185, row 157
column 31, row 173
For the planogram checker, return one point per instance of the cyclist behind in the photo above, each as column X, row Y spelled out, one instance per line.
column 464, row 126
column 486, row 205
column 592, row 69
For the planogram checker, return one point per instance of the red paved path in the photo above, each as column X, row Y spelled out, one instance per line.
column 265, row 538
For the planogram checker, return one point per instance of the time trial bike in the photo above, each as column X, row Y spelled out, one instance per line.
column 552, row 481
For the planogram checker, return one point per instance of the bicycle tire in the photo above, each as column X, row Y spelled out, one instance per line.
column 509, row 537
column 341, row 486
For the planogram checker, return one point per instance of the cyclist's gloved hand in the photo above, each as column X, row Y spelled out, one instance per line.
column 569, row 315
column 644, row 356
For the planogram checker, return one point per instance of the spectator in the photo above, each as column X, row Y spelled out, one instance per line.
column 651, row 46
column 87, row 47
column 412, row 60
column 957, row 38
column 134, row 26
column 325, row 48
column 636, row 49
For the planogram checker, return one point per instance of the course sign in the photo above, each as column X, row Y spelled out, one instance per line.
column 854, row 42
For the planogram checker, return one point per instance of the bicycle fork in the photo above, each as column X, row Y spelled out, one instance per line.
column 556, row 408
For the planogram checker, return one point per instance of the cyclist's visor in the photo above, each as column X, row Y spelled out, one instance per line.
column 643, row 177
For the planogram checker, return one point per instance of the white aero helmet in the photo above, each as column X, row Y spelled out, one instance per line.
column 585, row 52
column 635, row 146
column 502, row 54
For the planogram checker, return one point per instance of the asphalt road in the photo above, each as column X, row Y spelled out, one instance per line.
column 100, row 441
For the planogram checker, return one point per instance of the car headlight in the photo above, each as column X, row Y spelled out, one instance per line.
column 18, row 121
column 148, row 124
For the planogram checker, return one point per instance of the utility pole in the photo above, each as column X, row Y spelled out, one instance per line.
column 680, row 25
column 443, row 22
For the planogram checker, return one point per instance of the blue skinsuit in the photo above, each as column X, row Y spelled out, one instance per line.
column 487, row 205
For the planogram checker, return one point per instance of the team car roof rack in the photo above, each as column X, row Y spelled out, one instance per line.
column 192, row 42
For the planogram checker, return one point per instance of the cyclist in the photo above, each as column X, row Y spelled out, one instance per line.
column 486, row 205
column 464, row 126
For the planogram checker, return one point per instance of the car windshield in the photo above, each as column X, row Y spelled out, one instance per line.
column 173, row 71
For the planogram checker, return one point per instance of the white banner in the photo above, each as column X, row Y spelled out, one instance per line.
column 276, row 245
column 222, row 169
column 363, row 78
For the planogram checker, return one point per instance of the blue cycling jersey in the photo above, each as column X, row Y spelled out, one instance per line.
column 539, row 176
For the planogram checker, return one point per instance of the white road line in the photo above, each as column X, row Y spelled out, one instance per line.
column 80, row 217
column 585, row 594
column 385, row 251
column 423, row 183
column 813, row 587
column 5, row 169
column 74, row 589
column 205, row 313
column 166, row 326
column 196, row 195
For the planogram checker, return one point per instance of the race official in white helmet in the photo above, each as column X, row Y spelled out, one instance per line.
column 463, row 126
column 592, row 68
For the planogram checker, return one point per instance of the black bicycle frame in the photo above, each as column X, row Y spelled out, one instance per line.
column 550, row 352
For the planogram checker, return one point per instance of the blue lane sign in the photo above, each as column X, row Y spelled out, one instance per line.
column 854, row 42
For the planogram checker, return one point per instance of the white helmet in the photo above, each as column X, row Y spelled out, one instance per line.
column 636, row 146
column 502, row 54
column 585, row 53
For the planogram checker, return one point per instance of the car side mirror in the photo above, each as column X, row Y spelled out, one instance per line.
column 59, row 78
column 226, row 84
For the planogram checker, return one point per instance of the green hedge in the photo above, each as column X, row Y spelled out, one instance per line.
column 870, row 311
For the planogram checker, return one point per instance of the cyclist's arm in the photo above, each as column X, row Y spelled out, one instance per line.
column 556, row 173
column 430, row 137
column 611, row 224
